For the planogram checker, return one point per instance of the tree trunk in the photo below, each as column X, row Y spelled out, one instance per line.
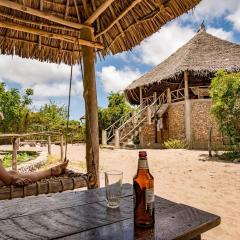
column 91, row 113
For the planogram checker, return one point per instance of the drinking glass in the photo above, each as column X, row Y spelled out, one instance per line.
column 113, row 184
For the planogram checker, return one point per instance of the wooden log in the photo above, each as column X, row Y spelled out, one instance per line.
column 132, row 5
column 210, row 142
column 117, row 140
column 44, row 33
column 49, row 145
column 141, row 95
column 104, row 137
column 186, row 88
column 98, row 11
column 61, row 148
column 41, row 14
column 91, row 113
column 14, row 153
column 169, row 97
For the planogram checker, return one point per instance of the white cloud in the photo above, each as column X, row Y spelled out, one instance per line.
column 163, row 43
column 208, row 10
column 47, row 80
column 114, row 79
column 220, row 33
column 234, row 18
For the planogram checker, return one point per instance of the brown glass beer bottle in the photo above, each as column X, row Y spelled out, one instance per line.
column 143, row 194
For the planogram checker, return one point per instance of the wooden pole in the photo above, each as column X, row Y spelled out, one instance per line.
column 49, row 145
column 117, row 140
column 91, row 113
column 141, row 95
column 61, row 147
column 104, row 137
column 169, row 97
column 186, row 91
column 210, row 142
column 14, row 153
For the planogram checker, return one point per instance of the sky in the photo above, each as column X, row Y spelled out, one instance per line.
column 114, row 73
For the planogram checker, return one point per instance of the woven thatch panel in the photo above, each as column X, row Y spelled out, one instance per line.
column 143, row 19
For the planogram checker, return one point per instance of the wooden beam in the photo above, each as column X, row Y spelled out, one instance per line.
column 44, row 15
column 47, row 34
column 98, row 12
column 186, row 88
column 114, row 15
column 133, row 4
column 14, row 153
column 90, row 97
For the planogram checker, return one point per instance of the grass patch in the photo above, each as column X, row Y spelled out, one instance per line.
column 21, row 158
column 175, row 144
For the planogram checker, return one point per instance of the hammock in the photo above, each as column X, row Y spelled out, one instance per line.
column 70, row 180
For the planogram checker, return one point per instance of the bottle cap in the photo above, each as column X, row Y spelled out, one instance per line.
column 142, row 154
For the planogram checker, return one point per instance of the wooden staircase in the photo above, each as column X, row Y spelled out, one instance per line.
column 121, row 133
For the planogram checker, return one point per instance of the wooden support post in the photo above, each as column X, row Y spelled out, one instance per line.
column 49, row 145
column 104, row 137
column 149, row 115
column 91, row 113
column 61, row 148
column 169, row 97
column 210, row 142
column 15, row 142
column 140, row 95
column 154, row 96
column 186, row 89
column 117, row 140
column 135, row 118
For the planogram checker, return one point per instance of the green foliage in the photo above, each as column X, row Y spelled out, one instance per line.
column 175, row 144
column 225, row 92
column 14, row 107
column 21, row 158
column 230, row 156
column 117, row 107
column 136, row 140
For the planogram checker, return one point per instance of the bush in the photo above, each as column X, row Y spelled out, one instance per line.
column 231, row 156
column 136, row 140
column 175, row 144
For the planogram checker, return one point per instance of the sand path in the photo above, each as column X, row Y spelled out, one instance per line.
column 182, row 176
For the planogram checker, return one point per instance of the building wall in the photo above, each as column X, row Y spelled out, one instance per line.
column 201, row 120
column 176, row 125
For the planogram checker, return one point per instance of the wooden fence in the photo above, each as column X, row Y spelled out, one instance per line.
column 16, row 140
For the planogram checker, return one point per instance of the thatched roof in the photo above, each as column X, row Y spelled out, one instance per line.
column 202, row 56
column 50, row 30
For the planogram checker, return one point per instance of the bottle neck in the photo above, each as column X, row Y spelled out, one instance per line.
column 142, row 164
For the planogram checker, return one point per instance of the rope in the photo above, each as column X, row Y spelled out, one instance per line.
column 68, row 111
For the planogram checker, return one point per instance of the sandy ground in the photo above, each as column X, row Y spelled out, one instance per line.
column 184, row 176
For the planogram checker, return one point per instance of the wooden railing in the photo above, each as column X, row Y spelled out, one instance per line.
column 177, row 95
column 16, row 143
column 136, row 120
column 110, row 131
column 201, row 91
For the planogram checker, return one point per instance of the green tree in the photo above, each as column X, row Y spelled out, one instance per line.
column 117, row 107
column 14, row 107
column 225, row 92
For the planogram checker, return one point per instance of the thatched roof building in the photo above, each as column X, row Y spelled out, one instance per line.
column 50, row 30
column 201, row 57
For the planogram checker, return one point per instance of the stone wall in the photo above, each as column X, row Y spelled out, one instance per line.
column 202, row 120
column 176, row 125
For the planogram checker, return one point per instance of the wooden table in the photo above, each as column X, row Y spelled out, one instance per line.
column 84, row 215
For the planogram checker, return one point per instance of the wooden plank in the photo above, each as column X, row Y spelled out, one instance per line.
column 31, row 205
column 175, row 222
column 63, row 219
column 44, row 33
column 44, row 15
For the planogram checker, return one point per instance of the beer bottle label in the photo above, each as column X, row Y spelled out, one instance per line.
column 142, row 164
column 149, row 198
